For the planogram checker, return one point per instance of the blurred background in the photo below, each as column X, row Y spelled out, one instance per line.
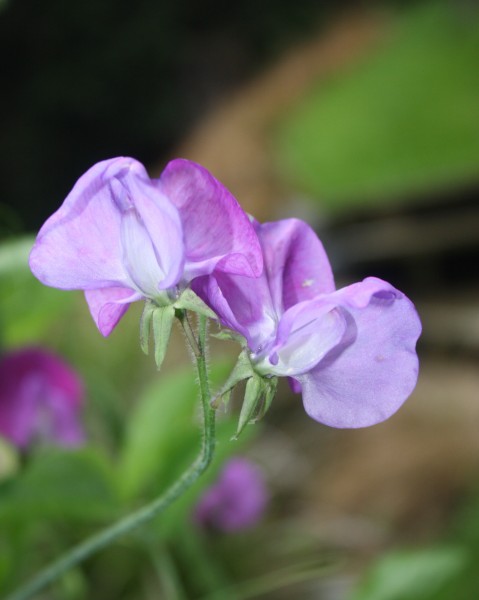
column 361, row 118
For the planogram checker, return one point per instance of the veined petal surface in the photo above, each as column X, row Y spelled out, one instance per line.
column 367, row 377
column 81, row 245
column 296, row 264
column 78, row 247
column 108, row 305
column 306, row 333
column 217, row 232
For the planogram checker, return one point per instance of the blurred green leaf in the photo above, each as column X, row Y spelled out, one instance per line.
column 27, row 308
column 180, row 514
column 412, row 575
column 60, row 484
column 162, row 429
column 403, row 120
column 14, row 254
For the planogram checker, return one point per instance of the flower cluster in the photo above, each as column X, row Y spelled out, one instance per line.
column 121, row 236
column 40, row 399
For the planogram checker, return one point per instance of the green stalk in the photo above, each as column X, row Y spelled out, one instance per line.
column 108, row 535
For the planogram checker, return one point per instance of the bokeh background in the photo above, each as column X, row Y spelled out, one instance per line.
column 362, row 118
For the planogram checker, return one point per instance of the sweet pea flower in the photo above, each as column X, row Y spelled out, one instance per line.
column 40, row 398
column 237, row 499
column 121, row 236
column 350, row 351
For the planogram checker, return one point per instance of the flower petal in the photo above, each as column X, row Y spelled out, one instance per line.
column 295, row 268
column 217, row 232
column 306, row 333
column 151, row 233
column 79, row 245
column 40, row 396
column 108, row 305
column 296, row 264
column 236, row 500
column 91, row 243
column 242, row 304
column 367, row 377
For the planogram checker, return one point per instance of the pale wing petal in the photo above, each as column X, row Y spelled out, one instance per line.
column 242, row 304
column 79, row 245
column 108, row 305
column 367, row 377
column 296, row 264
column 151, row 232
column 306, row 333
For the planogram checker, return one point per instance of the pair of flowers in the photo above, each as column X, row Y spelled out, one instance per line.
column 121, row 236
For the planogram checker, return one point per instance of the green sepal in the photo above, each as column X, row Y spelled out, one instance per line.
column 145, row 326
column 226, row 397
column 242, row 370
column 253, row 393
column 162, row 320
column 226, row 334
column 269, row 391
column 259, row 394
column 188, row 300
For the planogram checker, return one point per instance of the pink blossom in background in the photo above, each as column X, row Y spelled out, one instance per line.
column 121, row 236
column 237, row 500
column 40, row 399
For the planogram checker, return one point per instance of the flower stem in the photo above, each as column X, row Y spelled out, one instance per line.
column 108, row 535
column 190, row 336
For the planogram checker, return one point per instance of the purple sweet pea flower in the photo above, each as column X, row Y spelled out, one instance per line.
column 40, row 397
column 350, row 351
column 121, row 236
column 236, row 501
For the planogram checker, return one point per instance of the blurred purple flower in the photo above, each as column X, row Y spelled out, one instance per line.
column 350, row 351
column 122, row 236
column 236, row 501
column 40, row 398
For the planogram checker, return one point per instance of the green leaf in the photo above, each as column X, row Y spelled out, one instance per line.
column 162, row 431
column 14, row 255
column 27, row 308
column 9, row 460
column 180, row 512
column 413, row 575
column 403, row 119
column 61, row 484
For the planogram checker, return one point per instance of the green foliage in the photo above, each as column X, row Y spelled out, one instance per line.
column 60, row 485
column 163, row 425
column 143, row 432
column 404, row 119
column 444, row 571
column 414, row 575
column 28, row 308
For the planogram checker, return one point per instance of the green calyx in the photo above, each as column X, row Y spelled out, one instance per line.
column 157, row 319
column 259, row 391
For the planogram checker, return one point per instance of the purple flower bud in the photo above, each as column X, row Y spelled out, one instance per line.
column 351, row 352
column 236, row 501
column 40, row 398
column 121, row 236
